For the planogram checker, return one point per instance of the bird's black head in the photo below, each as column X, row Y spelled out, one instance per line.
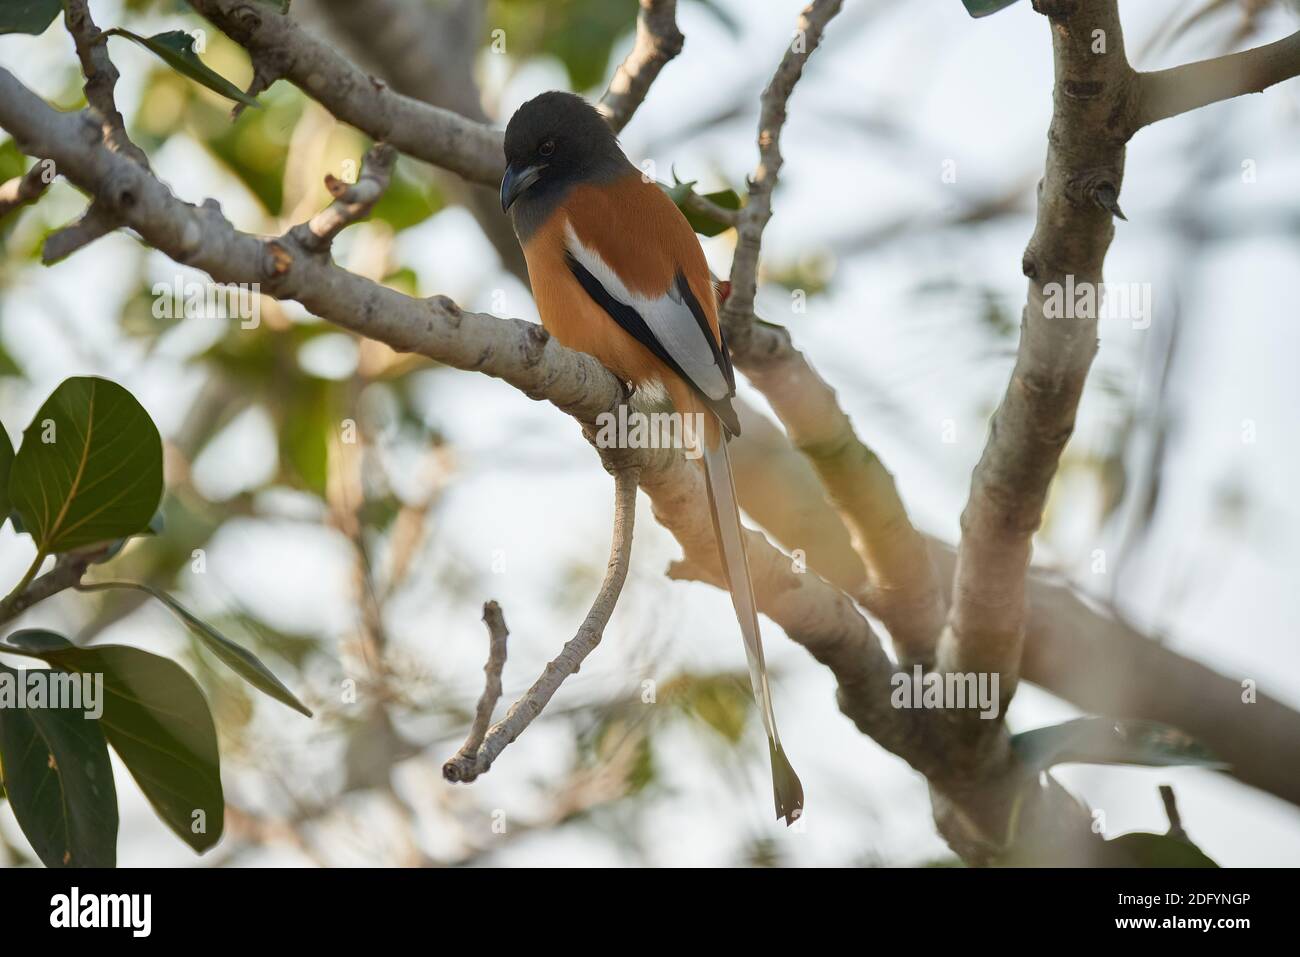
column 553, row 142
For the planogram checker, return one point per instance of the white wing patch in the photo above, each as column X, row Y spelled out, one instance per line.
column 668, row 317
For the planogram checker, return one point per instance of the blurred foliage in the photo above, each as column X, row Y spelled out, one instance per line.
column 579, row 33
column 28, row 16
column 252, row 147
column 809, row 274
column 12, row 162
column 722, row 702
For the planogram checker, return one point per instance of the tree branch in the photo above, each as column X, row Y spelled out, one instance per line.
column 657, row 41
column 516, row 351
column 467, row 756
column 95, row 223
column 101, row 82
column 1104, row 665
column 101, row 76
column 696, row 203
column 469, row 763
column 739, row 307
column 1076, row 201
column 901, row 589
column 428, row 52
column 24, row 189
column 1166, row 93
column 1094, row 660
column 280, row 48
column 351, row 202
column 410, row 118
column 67, row 573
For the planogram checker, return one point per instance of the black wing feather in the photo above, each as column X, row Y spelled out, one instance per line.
column 632, row 322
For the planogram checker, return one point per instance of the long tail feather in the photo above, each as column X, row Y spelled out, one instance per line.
column 786, row 789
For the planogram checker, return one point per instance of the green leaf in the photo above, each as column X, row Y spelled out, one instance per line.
column 982, row 8
column 721, row 702
column 6, row 465
column 1142, row 849
column 407, row 201
column 28, row 16
column 1110, row 741
column 306, row 421
column 703, row 224
column 236, row 657
column 809, row 274
column 176, row 49
column 706, row 225
column 157, row 720
column 578, row 33
column 55, row 765
column 35, row 641
column 9, row 367
column 89, row 469
column 252, row 147
column 13, row 161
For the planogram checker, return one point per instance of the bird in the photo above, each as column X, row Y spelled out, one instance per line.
column 618, row 273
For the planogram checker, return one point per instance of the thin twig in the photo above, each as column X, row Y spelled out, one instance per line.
column 67, row 573
column 278, row 46
column 428, row 51
column 351, row 202
column 658, row 40
column 487, row 702
column 739, row 307
column 101, row 76
column 1167, row 93
column 466, row 767
column 101, row 81
column 96, row 222
column 706, row 207
column 903, row 589
column 25, row 189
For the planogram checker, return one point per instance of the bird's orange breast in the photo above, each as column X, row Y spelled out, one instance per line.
column 645, row 240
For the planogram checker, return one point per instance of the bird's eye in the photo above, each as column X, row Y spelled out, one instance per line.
column 547, row 148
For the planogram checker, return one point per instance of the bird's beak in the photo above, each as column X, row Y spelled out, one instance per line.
column 516, row 182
